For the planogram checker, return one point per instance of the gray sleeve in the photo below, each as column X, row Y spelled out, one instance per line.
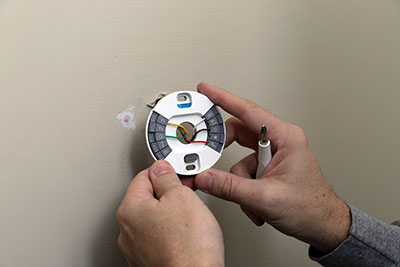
column 371, row 242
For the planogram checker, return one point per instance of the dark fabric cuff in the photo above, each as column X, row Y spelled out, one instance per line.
column 370, row 243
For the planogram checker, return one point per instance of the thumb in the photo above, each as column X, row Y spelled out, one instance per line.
column 229, row 186
column 163, row 177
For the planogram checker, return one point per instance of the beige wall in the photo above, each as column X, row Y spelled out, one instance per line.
column 67, row 68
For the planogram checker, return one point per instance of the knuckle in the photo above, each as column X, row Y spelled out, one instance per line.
column 122, row 214
column 299, row 135
column 251, row 103
column 248, row 107
column 143, row 172
column 228, row 187
column 120, row 243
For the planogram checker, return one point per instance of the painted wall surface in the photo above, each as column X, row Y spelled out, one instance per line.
column 67, row 68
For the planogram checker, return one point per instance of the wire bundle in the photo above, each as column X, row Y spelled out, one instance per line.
column 184, row 133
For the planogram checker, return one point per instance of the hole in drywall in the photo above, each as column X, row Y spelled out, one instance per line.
column 127, row 118
column 189, row 128
column 190, row 167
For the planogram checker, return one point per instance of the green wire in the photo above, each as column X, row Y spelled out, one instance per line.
column 180, row 130
column 177, row 137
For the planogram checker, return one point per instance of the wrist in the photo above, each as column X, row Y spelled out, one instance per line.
column 199, row 259
column 335, row 227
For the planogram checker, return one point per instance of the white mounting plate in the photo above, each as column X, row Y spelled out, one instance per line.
column 177, row 108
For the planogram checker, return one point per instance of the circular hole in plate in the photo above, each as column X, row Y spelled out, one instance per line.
column 191, row 130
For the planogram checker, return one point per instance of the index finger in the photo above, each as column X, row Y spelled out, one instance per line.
column 140, row 188
column 246, row 110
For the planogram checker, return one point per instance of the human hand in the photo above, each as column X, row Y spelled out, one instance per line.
column 174, row 229
column 292, row 195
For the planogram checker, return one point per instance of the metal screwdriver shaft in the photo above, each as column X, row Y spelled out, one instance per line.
column 264, row 152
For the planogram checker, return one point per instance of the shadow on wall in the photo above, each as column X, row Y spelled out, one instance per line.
column 244, row 242
column 139, row 157
column 105, row 251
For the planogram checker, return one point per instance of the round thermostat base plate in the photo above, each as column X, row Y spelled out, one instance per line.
column 197, row 112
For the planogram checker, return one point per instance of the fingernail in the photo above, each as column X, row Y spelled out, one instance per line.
column 160, row 167
column 203, row 181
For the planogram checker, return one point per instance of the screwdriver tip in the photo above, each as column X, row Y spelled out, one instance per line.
column 263, row 134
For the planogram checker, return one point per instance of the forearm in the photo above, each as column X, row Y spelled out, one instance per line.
column 370, row 243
